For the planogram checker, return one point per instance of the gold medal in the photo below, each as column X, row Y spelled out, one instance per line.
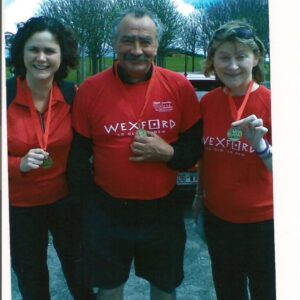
column 141, row 132
column 234, row 134
column 47, row 163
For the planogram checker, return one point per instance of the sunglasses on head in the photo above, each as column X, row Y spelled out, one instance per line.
column 240, row 32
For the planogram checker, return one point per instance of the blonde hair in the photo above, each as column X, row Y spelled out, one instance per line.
column 242, row 32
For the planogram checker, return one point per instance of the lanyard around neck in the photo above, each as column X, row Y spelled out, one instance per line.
column 237, row 113
column 42, row 135
column 138, row 117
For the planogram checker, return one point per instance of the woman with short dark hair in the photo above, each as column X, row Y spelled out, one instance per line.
column 39, row 136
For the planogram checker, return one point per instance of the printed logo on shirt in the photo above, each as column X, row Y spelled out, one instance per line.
column 129, row 128
column 162, row 106
column 224, row 145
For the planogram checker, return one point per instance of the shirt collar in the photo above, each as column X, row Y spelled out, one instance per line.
column 23, row 93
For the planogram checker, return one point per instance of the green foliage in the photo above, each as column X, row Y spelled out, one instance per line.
column 176, row 63
column 173, row 62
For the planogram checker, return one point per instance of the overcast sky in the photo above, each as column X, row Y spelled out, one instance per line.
column 16, row 11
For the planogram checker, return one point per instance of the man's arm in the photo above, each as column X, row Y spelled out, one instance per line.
column 79, row 166
column 188, row 148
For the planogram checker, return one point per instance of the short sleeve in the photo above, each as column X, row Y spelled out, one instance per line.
column 190, row 105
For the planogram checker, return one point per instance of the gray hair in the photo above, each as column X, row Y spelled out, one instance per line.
column 137, row 12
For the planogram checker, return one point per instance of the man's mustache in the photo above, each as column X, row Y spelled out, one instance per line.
column 135, row 58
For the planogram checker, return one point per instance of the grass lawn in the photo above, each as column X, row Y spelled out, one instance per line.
column 175, row 63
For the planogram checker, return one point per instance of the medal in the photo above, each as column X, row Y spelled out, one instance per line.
column 48, row 163
column 234, row 134
column 141, row 132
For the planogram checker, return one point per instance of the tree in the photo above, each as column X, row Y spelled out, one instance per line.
column 98, row 31
column 206, row 31
column 190, row 35
column 218, row 12
column 90, row 20
column 171, row 19
column 168, row 14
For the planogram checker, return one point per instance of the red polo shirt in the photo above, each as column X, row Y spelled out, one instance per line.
column 40, row 186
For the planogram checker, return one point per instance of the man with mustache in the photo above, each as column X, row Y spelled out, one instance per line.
column 140, row 123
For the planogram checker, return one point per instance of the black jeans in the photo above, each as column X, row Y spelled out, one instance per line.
column 242, row 258
column 29, row 228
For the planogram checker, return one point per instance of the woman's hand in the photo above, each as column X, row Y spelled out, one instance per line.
column 33, row 160
column 253, row 130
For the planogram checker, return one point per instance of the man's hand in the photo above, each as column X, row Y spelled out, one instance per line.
column 150, row 148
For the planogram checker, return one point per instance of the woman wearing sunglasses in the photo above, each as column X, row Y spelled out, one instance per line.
column 236, row 168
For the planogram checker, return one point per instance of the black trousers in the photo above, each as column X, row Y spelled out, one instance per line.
column 29, row 229
column 242, row 258
column 118, row 231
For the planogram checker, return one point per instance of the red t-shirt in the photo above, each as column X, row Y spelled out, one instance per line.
column 237, row 184
column 107, row 110
column 40, row 186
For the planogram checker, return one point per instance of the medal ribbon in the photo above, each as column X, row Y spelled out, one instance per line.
column 41, row 135
column 237, row 113
column 146, row 100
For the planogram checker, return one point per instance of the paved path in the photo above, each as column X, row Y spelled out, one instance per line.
column 197, row 284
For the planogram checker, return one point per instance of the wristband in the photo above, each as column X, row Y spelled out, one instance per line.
column 268, row 155
column 263, row 152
